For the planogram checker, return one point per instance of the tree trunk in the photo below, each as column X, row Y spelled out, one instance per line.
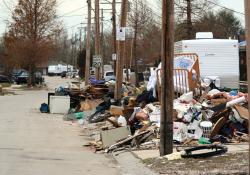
column 31, row 79
column 30, row 76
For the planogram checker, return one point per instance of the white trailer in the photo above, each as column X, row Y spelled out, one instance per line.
column 53, row 70
column 58, row 69
column 218, row 57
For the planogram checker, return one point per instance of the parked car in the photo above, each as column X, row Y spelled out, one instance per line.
column 73, row 74
column 109, row 75
column 23, row 78
column 16, row 72
column 4, row 79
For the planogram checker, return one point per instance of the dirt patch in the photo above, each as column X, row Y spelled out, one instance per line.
column 237, row 163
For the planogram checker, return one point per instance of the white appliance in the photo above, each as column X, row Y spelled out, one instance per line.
column 59, row 104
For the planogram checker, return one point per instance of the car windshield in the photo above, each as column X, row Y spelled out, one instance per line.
column 25, row 74
column 109, row 73
column 17, row 71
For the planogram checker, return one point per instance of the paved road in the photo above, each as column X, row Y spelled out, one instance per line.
column 41, row 144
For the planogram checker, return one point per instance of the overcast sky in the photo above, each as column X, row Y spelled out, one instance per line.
column 74, row 12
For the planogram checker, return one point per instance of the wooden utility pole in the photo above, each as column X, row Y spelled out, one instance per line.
column 102, row 28
column 114, row 30
column 80, row 38
column 189, row 19
column 85, row 36
column 102, row 41
column 97, row 35
column 167, row 93
column 247, row 28
column 119, row 63
column 135, row 47
column 87, row 64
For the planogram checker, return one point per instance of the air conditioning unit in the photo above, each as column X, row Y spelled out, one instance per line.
column 204, row 35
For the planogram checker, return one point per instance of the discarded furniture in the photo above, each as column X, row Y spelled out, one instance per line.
column 186, row 73
column 59, row 104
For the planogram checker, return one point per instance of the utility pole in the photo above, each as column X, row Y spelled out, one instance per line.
column 189, row 19
column 75, row 50
column 247, row 28
column 87, row 64
column 85, row 36
column 97, row 35
column 167, row 93
column 80, row 32
column 119, row 63
column 114, row 31
column 102, row 41
column 135, row 46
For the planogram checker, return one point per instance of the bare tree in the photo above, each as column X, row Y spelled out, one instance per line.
column 140, row 15
column 30, row 40
column 187, row 12
column 62, row 48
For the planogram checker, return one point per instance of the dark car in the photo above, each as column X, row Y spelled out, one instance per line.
column 22, row 78
column 16, row 72
column 4, row 79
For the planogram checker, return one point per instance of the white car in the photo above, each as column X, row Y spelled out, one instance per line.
column 109, row 75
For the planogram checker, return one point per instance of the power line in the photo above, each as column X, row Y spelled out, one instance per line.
column 72, row 16
column 70, row 27
column 225, row 8
column 75, row 10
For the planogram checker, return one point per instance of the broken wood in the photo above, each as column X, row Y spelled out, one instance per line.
column 243, row 112
column 112, row 147
column 116, row 110
column 218, row 125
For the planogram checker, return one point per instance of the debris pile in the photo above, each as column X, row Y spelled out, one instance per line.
column 214, row 117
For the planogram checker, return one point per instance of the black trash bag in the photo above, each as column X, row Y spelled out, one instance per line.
column 146, row 96
column 100, row 114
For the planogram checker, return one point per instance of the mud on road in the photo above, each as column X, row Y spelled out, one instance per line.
column 233, row 163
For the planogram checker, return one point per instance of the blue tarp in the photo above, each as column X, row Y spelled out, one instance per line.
column 94, row 81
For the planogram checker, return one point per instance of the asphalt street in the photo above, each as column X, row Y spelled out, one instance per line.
column 43, row 144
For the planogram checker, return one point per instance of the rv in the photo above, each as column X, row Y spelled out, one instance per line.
column 217, row 58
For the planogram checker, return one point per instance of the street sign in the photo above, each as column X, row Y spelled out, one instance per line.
column 97, row 61
column 121, row 34
column 114, row 57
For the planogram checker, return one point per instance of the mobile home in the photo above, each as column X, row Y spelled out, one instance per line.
column 217, row 57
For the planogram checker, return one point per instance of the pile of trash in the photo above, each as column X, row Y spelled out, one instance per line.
column 215, row 117
column 134, row 122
